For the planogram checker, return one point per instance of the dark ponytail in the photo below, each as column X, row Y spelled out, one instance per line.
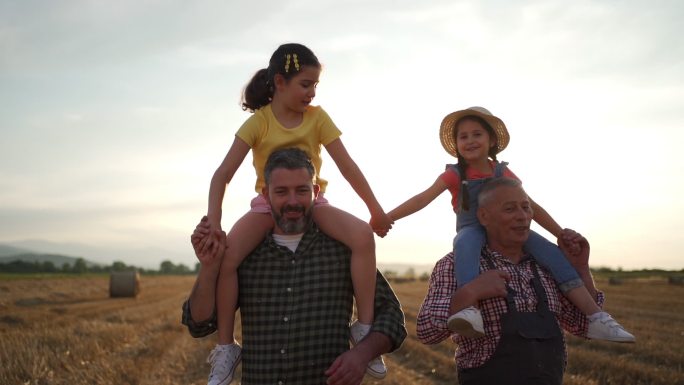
column 257, row 92
column 286, row 61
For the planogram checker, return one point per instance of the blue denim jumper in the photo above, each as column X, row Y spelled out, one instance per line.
column 471, row 237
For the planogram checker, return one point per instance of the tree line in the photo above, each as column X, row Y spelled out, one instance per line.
column 81, row 267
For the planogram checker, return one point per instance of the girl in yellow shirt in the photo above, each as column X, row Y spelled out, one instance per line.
column 280, row 98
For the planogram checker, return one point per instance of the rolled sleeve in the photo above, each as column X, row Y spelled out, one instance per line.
column 198, row 329
column 573, row 320
column 389, row 317
column 431, row 323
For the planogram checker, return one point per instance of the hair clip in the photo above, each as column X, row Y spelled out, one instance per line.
column 296, row 62
column 287, row 63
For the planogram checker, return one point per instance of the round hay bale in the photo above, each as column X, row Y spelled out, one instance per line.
column 614, row 281
column 124, row 284
column 675, row 280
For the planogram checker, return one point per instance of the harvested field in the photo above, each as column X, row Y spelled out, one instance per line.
column 68, row 331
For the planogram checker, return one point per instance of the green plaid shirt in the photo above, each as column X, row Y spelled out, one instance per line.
column 296, row 308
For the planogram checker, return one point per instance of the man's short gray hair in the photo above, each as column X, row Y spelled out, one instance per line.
column 492, row 185
column 289, row 158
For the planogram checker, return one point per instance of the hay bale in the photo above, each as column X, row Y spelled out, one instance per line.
column 614, row 281
column 124, row 284
column 675, row 280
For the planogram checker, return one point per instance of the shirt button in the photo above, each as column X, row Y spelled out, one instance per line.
column 293, row 261
column 281, row 383
column 285, row 319
column 289, row 289
column 282, row 351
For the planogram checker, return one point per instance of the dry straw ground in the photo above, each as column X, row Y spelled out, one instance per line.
column 67, row 331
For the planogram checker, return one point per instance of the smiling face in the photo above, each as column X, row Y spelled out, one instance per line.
column 506, row 214
column 298, row 92
column 473, row 141
column 291, row 194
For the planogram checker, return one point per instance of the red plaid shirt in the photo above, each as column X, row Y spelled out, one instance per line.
column 473, row 352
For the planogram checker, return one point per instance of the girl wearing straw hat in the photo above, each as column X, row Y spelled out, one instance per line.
column 474, row 136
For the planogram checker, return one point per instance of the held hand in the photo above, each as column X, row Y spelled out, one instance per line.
column 381, row 223
column 576, row 248
column 570, row 240
column 208, row 245
column 347, row 369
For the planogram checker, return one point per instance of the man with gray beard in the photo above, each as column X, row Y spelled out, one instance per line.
column 295, row 292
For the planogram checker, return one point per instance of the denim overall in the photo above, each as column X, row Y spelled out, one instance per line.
column 531, row 350
column 471, row 236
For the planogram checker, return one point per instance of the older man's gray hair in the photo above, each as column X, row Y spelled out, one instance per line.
column 492, row 185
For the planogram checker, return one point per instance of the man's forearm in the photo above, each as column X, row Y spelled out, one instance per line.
column 203, row 295
column 373, row 345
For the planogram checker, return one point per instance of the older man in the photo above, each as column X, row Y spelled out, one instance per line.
column 296, row 293
column 523, row 310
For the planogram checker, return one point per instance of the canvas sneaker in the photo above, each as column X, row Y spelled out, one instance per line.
column 603, row 327
column 467, row 322
column 376, row 367
column 223, row 359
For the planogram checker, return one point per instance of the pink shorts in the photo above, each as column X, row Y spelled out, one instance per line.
column 260, row 204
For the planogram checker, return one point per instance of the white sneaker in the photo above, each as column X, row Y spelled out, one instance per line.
column 224, row 359
column 467, row 322
column 604, row 327
column 376, row 367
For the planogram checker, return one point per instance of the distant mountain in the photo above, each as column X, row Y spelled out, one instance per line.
column 6, row 250
column 145, row 257
column 57, row 259
column 401, row 268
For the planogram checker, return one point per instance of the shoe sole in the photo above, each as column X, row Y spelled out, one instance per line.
column 375, row 374
column 625, row 340
column 463, row 328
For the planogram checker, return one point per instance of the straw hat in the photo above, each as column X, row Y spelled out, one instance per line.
column 448, row 137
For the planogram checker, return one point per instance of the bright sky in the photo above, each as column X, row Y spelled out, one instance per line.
column 115, row 114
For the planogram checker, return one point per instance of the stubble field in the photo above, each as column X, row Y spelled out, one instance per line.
column 68, row 331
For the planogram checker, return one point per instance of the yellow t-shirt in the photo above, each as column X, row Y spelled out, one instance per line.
column 264, row 134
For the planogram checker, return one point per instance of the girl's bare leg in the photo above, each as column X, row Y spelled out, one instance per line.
column 244, row 237
column 581, row 298
column 358, row 236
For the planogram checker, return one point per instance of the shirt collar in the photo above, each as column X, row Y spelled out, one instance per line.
column 498, row 258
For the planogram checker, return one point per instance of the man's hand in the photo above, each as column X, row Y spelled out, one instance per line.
column 575, row 247
column 569, row 239
column 348, row 369
column 489, row 284
column 209, row 245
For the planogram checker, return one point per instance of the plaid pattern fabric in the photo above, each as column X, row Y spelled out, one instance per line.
column 473, row 352
column 296, row 308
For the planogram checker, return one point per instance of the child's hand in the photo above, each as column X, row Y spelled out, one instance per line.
column 570, row 241
column 209, row 245
column 381, row 223
column 576, row 249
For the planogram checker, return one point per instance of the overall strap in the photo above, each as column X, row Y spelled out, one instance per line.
column 499, row 169
column 510, row 293
column 454, row 168
column 542, row 299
